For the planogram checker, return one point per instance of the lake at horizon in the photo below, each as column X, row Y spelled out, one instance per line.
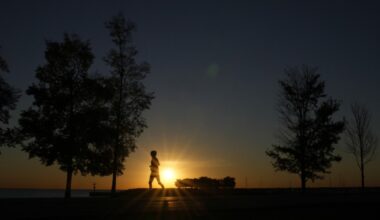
column 42, row 193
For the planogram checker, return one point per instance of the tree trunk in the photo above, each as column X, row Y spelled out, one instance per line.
column 68, row 183
column 362, row 174
column 362, row 167
column 113, row 189
column 114, row 173
column 303, row 182
column 115, row 156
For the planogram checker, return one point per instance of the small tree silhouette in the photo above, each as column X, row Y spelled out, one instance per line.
column 361, row 142
column 308, row 130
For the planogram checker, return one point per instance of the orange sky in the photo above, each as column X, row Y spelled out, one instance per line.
column 17, row 171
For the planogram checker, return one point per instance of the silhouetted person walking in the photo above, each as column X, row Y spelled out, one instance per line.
column 154, row 171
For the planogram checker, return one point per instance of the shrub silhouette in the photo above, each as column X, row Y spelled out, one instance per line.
column 206, row 183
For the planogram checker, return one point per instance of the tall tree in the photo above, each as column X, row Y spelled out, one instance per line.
column 308, row 130
column 58, row 127
column 361, row 142
column 8, row 99
column 131, row 97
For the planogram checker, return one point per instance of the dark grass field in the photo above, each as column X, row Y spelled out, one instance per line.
column 202, row 204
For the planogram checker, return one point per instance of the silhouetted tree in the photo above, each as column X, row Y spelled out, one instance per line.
column 8, row 99
column 361, row 142
column 308, row 131
column 62, row 124
column 131, row 98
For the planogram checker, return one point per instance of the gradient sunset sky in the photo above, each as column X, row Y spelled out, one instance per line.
column 215, row 71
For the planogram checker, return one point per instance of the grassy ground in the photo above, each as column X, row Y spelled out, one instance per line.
column 197, row 204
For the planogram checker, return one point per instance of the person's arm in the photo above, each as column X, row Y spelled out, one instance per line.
column 156, row 162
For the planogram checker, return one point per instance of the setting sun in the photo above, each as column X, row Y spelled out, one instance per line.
column 168, row 175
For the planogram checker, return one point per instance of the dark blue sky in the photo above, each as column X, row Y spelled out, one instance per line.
column 215, row 65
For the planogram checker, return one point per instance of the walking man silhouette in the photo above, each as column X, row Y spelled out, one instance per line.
column 154, row 171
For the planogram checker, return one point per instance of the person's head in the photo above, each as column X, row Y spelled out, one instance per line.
column 153, row 153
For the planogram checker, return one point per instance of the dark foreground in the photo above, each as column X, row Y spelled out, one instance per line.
column 194, row 204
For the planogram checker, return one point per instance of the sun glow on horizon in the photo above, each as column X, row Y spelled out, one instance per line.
column 168, row 175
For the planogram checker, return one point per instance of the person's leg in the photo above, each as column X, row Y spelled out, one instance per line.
column 150, row 181
column 159, row 182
